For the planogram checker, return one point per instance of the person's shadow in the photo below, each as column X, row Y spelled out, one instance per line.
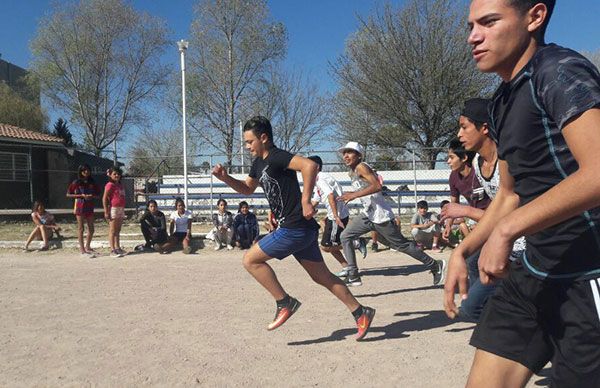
column 425, row 320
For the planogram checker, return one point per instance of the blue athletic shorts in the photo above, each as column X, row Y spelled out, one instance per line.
column 301, row 243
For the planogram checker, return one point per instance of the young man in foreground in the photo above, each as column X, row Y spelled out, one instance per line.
column 275, row 171
column 546, row 121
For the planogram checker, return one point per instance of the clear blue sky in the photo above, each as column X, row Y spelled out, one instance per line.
column 317, row 28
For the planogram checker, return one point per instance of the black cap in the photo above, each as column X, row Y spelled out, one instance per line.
column 476, row 109
column 317, row 160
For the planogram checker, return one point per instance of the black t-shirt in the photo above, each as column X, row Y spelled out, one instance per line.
column 281, row 188
column 528, row 115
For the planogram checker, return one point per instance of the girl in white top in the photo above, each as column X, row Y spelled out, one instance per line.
column 180, row 226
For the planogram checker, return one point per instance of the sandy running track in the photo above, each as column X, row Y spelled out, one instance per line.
column 177, row 320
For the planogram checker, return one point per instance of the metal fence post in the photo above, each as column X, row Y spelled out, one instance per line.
column 415, row 175
column 211, row 184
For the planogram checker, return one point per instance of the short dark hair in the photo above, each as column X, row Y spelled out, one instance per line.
column 525, row 5
column 444, row 202
column 459, row 149
column 221, row 200
column 317, row 160
column 422, row 205
column 177, row 201
column 259, row 125
column 241, row 205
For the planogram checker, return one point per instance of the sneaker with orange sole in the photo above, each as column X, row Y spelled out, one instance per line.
column 284, row 313
column 363, row 323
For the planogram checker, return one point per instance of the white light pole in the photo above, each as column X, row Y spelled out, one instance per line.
column 242, row 144
column 183, row 45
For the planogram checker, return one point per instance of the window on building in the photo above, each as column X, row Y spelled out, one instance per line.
column 14, row 167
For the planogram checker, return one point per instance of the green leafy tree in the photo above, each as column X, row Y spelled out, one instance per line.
column 99, row 61
column 22, row 113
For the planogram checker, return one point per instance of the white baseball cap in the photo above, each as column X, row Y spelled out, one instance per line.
column 352, row 145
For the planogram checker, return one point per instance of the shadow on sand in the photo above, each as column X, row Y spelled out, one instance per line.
column 425, row 320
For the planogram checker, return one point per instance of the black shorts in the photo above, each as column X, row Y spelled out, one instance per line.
column 331, row 234
column 533, row 321
column 179, row 236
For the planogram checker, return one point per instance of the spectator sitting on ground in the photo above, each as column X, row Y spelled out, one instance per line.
column 44, row 226
column 245, row 227
column 425, row 227
column 222, row 222
column 180, row 226
column 154, row 229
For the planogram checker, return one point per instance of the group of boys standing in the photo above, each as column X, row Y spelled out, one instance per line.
column 538, row 139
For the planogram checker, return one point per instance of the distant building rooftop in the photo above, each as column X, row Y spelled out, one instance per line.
column 12, row 132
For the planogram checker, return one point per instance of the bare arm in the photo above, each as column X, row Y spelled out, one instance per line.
column 365, row 172
column 575, row 194
column 309, row 171
column 246, row 187
column 504, row 203
column 106, row 204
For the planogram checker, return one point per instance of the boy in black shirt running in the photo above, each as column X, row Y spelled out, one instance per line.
column 545, row 118
column 275, row 171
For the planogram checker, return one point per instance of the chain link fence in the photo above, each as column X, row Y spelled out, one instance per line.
column 407, row 178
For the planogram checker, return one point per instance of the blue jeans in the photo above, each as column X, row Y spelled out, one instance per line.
column 471, row 308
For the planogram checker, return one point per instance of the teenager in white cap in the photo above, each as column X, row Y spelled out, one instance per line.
column 376, row 215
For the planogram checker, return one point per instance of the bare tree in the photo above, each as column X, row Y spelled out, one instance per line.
column 233, row 44
column 158, row 147
column 99, row 61
column 404, row 76
column 298, row 111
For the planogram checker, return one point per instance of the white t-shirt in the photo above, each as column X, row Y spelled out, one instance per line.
column 325, row 185
column 181, row 221
column 491, row 187
column 375, row 205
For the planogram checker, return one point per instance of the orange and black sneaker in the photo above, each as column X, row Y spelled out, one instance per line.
column 283, row 313
column 364, row 322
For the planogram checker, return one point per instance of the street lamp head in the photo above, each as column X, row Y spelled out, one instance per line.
column 182, row 45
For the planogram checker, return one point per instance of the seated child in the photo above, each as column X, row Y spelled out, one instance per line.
column 425, row 227
column 222, row 222
column 44, row 226
column 154, row 228
column 245, row 227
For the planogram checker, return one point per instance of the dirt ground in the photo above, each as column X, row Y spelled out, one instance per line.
column 181, row 320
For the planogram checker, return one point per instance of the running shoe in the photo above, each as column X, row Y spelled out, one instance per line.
column 187, row 250
column 353, row 280
column 217, row 246
column 115, row 253
column 362, row 247
column 439, row 272
column 284, row 313
column 121, row 252
column 343, row 273
column 363, row 323
column 229, row 247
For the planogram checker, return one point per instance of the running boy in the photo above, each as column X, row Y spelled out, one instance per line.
column 377, row 215
column 275, row 171
column 546, row 119
column 328, row 190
